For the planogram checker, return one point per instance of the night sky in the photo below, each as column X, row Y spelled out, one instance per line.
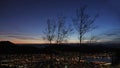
column 23, row 21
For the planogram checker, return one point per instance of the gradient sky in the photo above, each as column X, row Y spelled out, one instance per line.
column 22, row 21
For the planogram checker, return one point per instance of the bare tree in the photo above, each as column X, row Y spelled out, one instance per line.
column 83, row 22
column 57, row 31
column 49, row 32
column 63, row 30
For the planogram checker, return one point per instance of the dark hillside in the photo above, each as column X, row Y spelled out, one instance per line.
column 7, row 47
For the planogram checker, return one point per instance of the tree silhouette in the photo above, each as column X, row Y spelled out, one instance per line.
column 63, row 31
column 57, row 31
column 83, row 22
column 49, row 32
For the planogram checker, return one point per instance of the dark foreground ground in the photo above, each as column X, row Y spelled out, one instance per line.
column 59, row 56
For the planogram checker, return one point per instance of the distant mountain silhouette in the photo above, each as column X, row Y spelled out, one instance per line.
column 7, row 47
column 6, row 43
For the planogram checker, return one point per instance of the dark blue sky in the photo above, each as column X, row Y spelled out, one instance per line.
column 22, row 21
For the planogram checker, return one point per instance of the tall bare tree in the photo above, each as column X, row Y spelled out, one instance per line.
column 63, row 30
column 49, row 32
column 83, row 22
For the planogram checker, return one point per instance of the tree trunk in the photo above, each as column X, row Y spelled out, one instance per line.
column 50, row 42
column 80, row 40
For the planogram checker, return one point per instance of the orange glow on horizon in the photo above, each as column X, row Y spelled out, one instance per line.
column 30, row 41
column 19, row 41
